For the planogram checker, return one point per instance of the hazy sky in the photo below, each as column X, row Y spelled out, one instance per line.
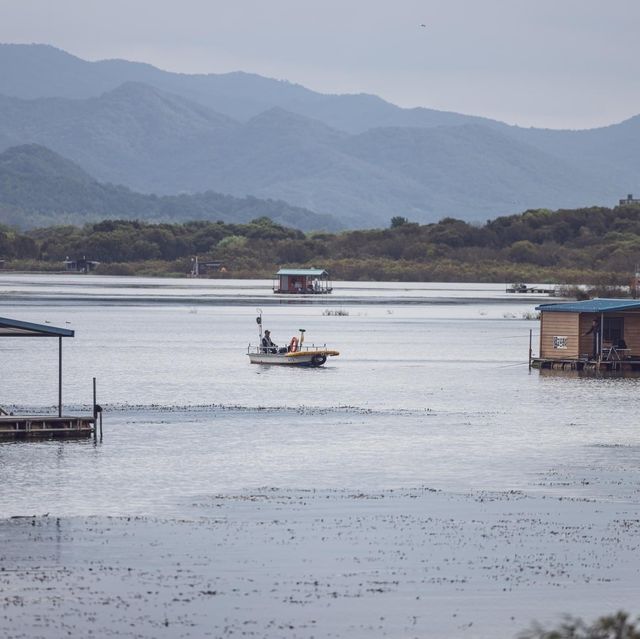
column 555, row 63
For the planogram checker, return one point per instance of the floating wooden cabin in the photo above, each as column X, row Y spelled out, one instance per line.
column 80, row 265
column 598, row 334
column 42, row 426
column 309, row 281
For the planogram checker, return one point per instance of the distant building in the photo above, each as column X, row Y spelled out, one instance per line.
column 200, row 267
column 81, row 265
column 302, row 280
column 630, row 200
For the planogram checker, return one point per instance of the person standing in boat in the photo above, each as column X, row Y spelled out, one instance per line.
column 267, row 345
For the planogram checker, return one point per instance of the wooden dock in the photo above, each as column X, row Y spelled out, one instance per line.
column 45, row 426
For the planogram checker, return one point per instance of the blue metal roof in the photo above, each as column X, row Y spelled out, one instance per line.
column 313, row 272
column 17, row 328
column 597, row 305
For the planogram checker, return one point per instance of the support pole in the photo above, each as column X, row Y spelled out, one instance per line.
column 95, row 412
column 59, row 376
column 601, row 335
column 530, row 343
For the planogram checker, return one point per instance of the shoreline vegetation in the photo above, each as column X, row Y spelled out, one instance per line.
column 569, row 247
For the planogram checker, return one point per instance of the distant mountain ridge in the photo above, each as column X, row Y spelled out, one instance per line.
column 41, row 188
column 35, row 71
column 156, row 142
column 355, row 157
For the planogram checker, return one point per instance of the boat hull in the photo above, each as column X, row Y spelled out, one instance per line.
column 310, row 358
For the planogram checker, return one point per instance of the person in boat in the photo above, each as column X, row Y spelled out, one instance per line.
column 267, row 345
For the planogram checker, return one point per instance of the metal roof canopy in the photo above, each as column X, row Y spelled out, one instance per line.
column 597, row 305
column 16, row 328
column 302, row 271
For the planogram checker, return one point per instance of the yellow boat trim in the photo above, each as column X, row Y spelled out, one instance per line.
column 307, row 353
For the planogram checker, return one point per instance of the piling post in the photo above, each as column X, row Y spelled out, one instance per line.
column 530, row 343
column 95, row 413
column 60, row 376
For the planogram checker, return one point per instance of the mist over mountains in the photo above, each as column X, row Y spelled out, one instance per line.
column 355, row 158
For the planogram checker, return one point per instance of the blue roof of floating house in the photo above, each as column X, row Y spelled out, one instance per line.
column 18, row 328
column 596, row 305
column 313, row 272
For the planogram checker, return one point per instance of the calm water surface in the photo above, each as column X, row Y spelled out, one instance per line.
column 431, row 388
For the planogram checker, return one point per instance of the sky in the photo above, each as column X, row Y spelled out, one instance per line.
column 544, row 63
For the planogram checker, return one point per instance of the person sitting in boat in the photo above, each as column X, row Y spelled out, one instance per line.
column 267, row 345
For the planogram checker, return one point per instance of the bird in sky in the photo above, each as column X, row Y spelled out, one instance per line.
column 423, row 25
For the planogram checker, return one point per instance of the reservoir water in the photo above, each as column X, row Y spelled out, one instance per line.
column 431, row 389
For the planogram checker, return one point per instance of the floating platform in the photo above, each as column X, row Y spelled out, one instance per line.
column 533, row 289
column 603, row 365
column 45, row 426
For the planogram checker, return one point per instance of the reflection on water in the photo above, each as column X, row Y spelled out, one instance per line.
column 422, row 394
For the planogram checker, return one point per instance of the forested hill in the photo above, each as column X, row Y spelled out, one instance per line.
column 41, row 188
column 594, row 245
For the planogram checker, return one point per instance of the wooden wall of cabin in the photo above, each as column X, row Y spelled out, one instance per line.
column 555, row 325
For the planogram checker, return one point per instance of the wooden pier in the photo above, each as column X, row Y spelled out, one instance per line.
column 45, row 426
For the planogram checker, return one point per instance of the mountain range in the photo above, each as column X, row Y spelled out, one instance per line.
column 354, row 158
column 41, row 188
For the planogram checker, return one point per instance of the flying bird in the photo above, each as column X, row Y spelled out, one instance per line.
column 422, row 25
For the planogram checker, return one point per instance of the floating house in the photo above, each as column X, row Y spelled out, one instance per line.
column 310, row 281
column 81, row 265
column 42, row 426
column 600, row 334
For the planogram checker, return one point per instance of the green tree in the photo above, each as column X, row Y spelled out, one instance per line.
column 398, row 220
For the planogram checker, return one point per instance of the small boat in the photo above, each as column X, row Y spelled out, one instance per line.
column 297, row 353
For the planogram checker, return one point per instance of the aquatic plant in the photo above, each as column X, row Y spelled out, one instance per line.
column 615, row 626
column 337, row 312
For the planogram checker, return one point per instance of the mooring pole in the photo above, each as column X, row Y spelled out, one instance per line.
column 60, row 376
column 95, row 413
column 530, row 343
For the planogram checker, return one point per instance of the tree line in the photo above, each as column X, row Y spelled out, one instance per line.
column 594, row 244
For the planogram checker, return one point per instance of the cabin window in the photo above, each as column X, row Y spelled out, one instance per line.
column 613, row 329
